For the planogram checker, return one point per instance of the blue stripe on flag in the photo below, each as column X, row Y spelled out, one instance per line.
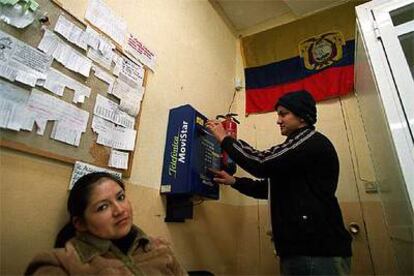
column 289, row 70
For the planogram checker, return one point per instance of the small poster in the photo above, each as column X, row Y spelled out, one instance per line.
column 81, row 168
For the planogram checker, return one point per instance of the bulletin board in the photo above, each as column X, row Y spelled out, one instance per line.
column 88, row 151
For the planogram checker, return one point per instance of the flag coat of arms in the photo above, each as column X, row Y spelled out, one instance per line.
column 315, row 53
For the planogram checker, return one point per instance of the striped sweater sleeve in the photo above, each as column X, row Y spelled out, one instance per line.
column 266, row 163
column 250, row 187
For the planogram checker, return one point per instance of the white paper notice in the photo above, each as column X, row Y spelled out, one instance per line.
column 13, row 100
column 57, row 81
column 137, row 49
column 81, row 168
column 130, row 97
column 71, row 32
column 132, row 73
column 110, row 111
column 105, row 77
column 99, row 42
column 93, row 37
column 113, row 136
column 102, row 17
column 118, row 159
column 69, row 57
column 128, row 87
column 118, row 61
column 100, row 125
column 131, row 104
column 70, row 121
column 21, row 62
column 102, row 47
column 98, row 57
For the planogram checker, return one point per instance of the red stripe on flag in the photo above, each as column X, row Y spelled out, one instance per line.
column 332, row 82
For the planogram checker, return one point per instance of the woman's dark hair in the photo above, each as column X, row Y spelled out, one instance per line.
column 78, row 201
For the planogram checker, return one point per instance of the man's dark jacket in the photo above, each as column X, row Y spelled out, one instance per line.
column 302, row 175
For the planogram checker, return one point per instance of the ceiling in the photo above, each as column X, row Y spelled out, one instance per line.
column 244, row 15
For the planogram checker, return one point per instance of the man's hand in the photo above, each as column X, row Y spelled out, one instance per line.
column 221, row 177
column 216, row 129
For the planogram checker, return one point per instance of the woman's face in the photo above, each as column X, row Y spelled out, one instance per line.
column 108, row 214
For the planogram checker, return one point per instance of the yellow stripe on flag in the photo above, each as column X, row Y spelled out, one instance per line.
column 282, row 42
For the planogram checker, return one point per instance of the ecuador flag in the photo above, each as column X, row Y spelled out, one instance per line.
column 315, row 53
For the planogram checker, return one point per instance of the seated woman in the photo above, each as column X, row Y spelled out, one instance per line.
column 100, row 237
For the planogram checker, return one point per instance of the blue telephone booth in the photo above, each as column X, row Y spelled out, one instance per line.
column 190, row 150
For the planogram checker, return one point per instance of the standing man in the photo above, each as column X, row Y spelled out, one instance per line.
column 299, row 178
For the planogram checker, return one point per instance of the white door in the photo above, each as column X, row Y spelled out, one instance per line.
column 387, row 106
column 395, row 25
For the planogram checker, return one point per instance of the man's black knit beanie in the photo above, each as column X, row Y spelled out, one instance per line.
column 301, row 103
